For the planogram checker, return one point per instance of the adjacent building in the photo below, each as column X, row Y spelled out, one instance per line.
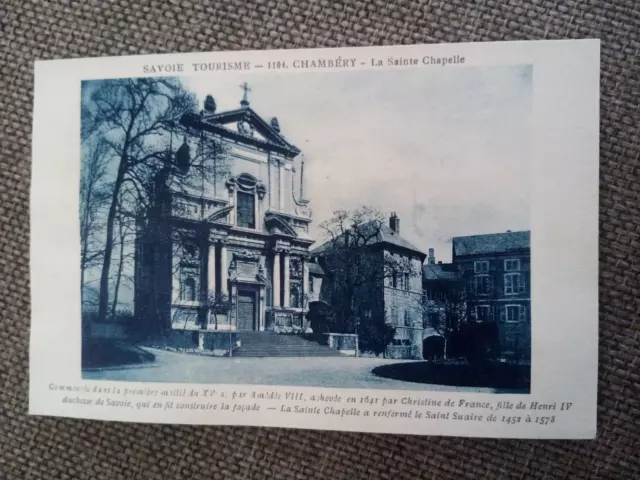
column 496, row 271
column 488, row 281
column 394, row 294
column 224, row 245
column 442, row 289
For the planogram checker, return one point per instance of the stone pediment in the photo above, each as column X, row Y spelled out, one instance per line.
column 243, row 125
column 279, row 225
column 220, row 214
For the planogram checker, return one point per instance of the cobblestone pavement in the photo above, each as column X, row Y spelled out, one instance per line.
column 335, row 372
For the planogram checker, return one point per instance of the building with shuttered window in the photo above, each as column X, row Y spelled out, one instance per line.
column 487, row 281
column 495, row 269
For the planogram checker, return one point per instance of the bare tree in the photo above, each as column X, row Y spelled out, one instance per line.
column 219, row 304
column 358, row 266
column 125, row 232
column 138, row 119
column 445, row 313
column 94, row 191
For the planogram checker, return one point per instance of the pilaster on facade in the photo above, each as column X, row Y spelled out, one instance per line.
column 211, row 269
column 276, row 279
column 305, row 278
column 281, row 206
column 287, row 280
column 224, row 269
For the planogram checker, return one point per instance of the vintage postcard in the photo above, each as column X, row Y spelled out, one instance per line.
column 386, row 239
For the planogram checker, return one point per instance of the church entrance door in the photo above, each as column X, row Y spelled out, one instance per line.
column 246, row 310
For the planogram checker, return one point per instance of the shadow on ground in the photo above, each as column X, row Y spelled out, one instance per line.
column 488, row 375
column 105, row 353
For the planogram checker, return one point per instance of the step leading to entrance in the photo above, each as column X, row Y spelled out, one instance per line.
column 269, row 344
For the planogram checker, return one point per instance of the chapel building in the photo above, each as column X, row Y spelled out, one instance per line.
column 227, row 250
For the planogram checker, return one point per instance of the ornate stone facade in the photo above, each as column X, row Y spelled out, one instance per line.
column 230, row 254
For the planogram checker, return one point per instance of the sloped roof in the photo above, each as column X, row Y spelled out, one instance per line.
column 439, row 272
column 384, row 235
column 315, row 269
column 217, row 122
column 491, row 243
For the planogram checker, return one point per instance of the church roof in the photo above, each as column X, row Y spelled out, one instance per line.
column 491, row 243
column 384, row 235
column 219, row 123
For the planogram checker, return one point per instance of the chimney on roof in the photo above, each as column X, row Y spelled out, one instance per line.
column 431, row 259
column 394, row 222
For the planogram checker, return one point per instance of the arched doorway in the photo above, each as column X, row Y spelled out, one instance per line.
column 433, row 347
column 318, row 316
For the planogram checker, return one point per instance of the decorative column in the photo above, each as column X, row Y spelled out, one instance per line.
column 281, row 189
column 276, row 280
column 261, row 191
column 231, row 188
column 287, row 293
column 261, row 309
column 224, row 269
column 305, row 281
column 211, row 269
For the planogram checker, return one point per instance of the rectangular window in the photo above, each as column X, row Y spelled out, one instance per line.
column 394, row 280
column 513, row 283
column 482, row 313
column 407, row 285
column 481, row 267
column 512, row 265
column 515, row 314
column 482, row 284
column 188, row 290
column 246, row 210
column 407, row 318
column 311, row 285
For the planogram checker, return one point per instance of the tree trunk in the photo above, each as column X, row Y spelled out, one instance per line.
column 84, row 239
column 119, row 274
column 103, row 304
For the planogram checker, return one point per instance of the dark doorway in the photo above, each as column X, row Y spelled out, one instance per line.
column 246, row 310
column 433, row 348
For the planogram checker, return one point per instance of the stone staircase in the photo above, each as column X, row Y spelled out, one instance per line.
column 270, row 344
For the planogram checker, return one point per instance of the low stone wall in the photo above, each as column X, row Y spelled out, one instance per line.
column 345, row 343
column 216, row 342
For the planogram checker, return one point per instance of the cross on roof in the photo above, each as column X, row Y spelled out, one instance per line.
column 245, row 99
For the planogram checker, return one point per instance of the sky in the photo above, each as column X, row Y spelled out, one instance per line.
column 445, row 148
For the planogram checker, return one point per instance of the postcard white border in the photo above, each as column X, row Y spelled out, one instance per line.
column 564, row 176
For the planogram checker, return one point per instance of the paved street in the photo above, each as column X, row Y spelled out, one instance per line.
column 334, row 372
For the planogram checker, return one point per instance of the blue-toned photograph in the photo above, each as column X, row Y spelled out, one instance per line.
column 354, row 229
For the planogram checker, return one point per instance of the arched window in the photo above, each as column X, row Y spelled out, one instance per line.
column 295, row 297
column 189, row 290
